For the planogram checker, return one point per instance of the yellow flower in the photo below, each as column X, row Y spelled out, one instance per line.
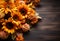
column 9, row 26
column 8, row 30
column 16, row 16
column 25, row 10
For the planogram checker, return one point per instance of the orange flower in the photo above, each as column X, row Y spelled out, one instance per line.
column 25, row 27
column 16, row 16
column 25, row 10
column 19, row 37
column 9, row 26
column 3, row 35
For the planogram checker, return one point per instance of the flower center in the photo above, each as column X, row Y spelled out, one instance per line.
column 23, row 11
column 1, row 25
column 28, row 21
column 15, row 17
column 7, row 15
column 9, row 25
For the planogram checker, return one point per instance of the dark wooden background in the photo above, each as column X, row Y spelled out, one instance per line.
column 49, row 28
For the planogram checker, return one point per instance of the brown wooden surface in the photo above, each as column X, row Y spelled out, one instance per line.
column 49, row 28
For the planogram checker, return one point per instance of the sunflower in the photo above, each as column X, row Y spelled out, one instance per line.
column 16, row 16
column 9, row 26
column 25, row 10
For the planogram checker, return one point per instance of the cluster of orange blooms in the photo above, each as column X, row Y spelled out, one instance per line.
column 16, row 17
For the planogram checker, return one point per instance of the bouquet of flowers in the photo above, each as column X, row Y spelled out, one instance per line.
column 16, row 16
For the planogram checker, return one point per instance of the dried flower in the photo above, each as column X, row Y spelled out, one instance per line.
column 3, row 35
